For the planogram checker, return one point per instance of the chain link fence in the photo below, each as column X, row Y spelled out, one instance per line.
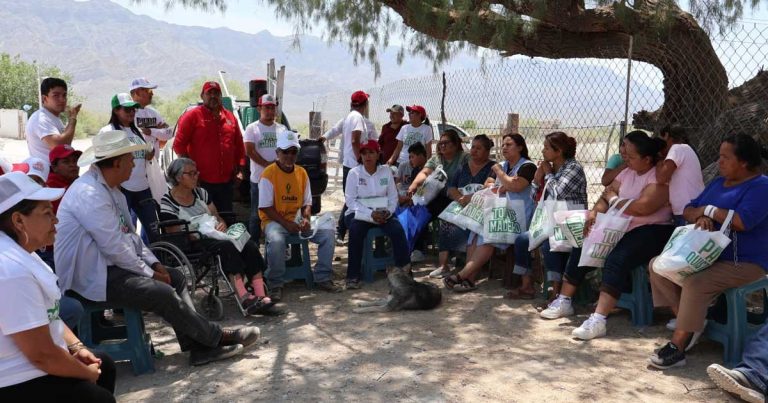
column 586, row 98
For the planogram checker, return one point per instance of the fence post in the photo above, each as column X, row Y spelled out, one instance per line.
column 315, row 124
column 513, row 123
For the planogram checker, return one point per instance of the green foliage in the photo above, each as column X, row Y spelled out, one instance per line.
column 89, row 123
column 469, row 124
column 171, row 109
column 19, row 82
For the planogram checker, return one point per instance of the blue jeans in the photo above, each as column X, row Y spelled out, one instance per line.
column 358, row 230
column 754, row 361
column 275, row 235
column 557, row 263
column 636, row 248
column 522, row 256
column 341, row 227
column 254, row 224
column 145, row 212
column 70, row 311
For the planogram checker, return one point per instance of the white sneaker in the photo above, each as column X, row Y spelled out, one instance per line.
column 417, row 256
column 672, row 324
column 558, row 308
column 734, row 382
column 439, row 272
column 592, row 328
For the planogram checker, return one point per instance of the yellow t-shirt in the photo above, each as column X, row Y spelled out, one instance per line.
column 287, row 192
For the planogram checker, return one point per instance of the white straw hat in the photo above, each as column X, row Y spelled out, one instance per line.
column 109, row 144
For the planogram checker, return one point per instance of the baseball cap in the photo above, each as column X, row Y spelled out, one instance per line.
column 287, row 139
column 123, row 99
column 396, row 108
column 417, row 108
column 16, row 186
column 211, row 85
column 372, row 145
column 267, row 99
column 62, row 151
column 359, row 97
column 34, row 166
column 142, row 82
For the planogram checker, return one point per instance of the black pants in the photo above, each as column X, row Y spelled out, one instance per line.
column 341, row 227
column 51, row 388
column 248, row 262
column 220, row 194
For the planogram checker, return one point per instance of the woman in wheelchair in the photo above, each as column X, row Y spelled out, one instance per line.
column 243, row 268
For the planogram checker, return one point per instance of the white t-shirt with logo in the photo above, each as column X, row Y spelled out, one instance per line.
column 354, row 122
column 410, row 135
column 42, row 124
column 265, row 139
column 149, row 117
column 138, row 180
column 29, row 298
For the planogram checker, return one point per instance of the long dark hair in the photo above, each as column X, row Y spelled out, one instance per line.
column 454, row 138
column 562, row 142
column 114, row 121
column 520, row 142
column 646, row 146
column 23, row 207
column 748, row 150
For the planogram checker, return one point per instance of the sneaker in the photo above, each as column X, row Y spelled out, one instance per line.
column 417, row 256
column 244, row 336
column 206, row 355
column 440, row 272
column 328, row 286
column 276, row 294
column 353, row 284
column 672, row 324
column 341, row 242
column 667, row 357
column 559, row 308
column 695, row 338
column 735, row 382
column 592, row 328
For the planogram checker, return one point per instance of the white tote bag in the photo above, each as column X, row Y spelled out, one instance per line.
column 503, row 220
column 608, row 229
column 431, row 187
column 691, row 250
column 156, row 179
column 451, row 213
column 543, row 223
column 471, row 216
column 571, row 224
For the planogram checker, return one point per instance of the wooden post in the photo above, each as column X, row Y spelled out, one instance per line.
column 513, row 123
column 315, row 124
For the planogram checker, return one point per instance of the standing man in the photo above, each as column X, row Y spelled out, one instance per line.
column 210, row 135
column 45, row 128
column 388, row 138
column 155, row 131
column 285, row 207
column 260, row 142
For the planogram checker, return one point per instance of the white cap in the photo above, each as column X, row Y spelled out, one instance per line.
column 16, row 186
column 141, row 82
column 287, row 139
column 38, row 167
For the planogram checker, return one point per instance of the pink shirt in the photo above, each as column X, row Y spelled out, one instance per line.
column 686, row 183
column 632, row 186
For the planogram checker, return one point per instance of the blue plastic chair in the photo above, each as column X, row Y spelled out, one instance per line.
column 734, row 333
column 128, row 342
column 640, row 301
column 372, row 263
column 302, row 270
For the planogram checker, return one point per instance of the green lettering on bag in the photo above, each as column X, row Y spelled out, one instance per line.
column 576, row 226
column 611, row 236
column 601, row 250
column 708, row 247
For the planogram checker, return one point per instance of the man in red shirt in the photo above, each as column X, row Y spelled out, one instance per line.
column 388, row 136
column 210, row 136
column 64, row 169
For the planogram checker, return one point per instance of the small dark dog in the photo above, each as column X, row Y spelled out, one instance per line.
column 404, row 293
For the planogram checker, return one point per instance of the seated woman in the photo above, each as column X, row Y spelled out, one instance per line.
column 744, row 190
column 364, row 183
column 40, row 358
column 646, row 235
column 564, row 177
column 615, row 164
column 514, row 176
column 186, row 200
column 451, row 156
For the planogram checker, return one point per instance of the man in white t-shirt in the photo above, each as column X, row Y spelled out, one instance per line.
column 260, row 140
column 45, row 128
column 148, row 120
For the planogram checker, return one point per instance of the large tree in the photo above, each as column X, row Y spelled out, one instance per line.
column 695, row 81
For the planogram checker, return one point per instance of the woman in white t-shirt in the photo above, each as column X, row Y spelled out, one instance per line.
column 136, row 188
column 418, row 131
column 40, row 358
column 680, row 169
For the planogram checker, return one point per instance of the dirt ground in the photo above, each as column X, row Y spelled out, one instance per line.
column 474, row 347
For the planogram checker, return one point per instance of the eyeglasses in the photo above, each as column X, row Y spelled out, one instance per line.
column 443, row 143
column 191, row 173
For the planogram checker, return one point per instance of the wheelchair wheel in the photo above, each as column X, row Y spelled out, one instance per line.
column 211, row 307
column 171, row 256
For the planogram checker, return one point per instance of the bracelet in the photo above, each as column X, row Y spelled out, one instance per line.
column 709, row 211
column 613, row 201
column 75, row 347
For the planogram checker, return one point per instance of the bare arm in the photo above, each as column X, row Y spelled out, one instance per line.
column 610, row 174
column 396, row 153
column 420, row 178
column 693, row 214
column 36, row 344
column 653, row 197
column 68, row 135
column 273, row 215
column 664, row 171
column 250, row 151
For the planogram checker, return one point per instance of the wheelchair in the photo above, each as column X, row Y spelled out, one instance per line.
column 202, row 268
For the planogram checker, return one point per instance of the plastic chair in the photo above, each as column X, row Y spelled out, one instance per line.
column 639, row 302
column 734, row 332
column 128, row 342
column 298, row 267
column 372, row 263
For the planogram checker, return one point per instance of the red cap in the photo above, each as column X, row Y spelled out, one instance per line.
column 211, row 85
column 372, row 145
column 62, row 151
column 417, row 108
column 359, row 97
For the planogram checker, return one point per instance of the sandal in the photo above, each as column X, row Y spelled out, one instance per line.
column 451, row 281
column 519, row 293
column 466, row 285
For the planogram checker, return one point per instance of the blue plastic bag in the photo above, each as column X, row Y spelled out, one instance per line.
column 413, row 219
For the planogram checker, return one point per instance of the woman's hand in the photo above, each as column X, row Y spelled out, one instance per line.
column 94, row 372
column 546, row 167
column 608, row 194
column 589, row 223
column 497, row 169
column 412, row 189
column 86, row 357
column 464, row 200
column 705, row 223
column 221, row 226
